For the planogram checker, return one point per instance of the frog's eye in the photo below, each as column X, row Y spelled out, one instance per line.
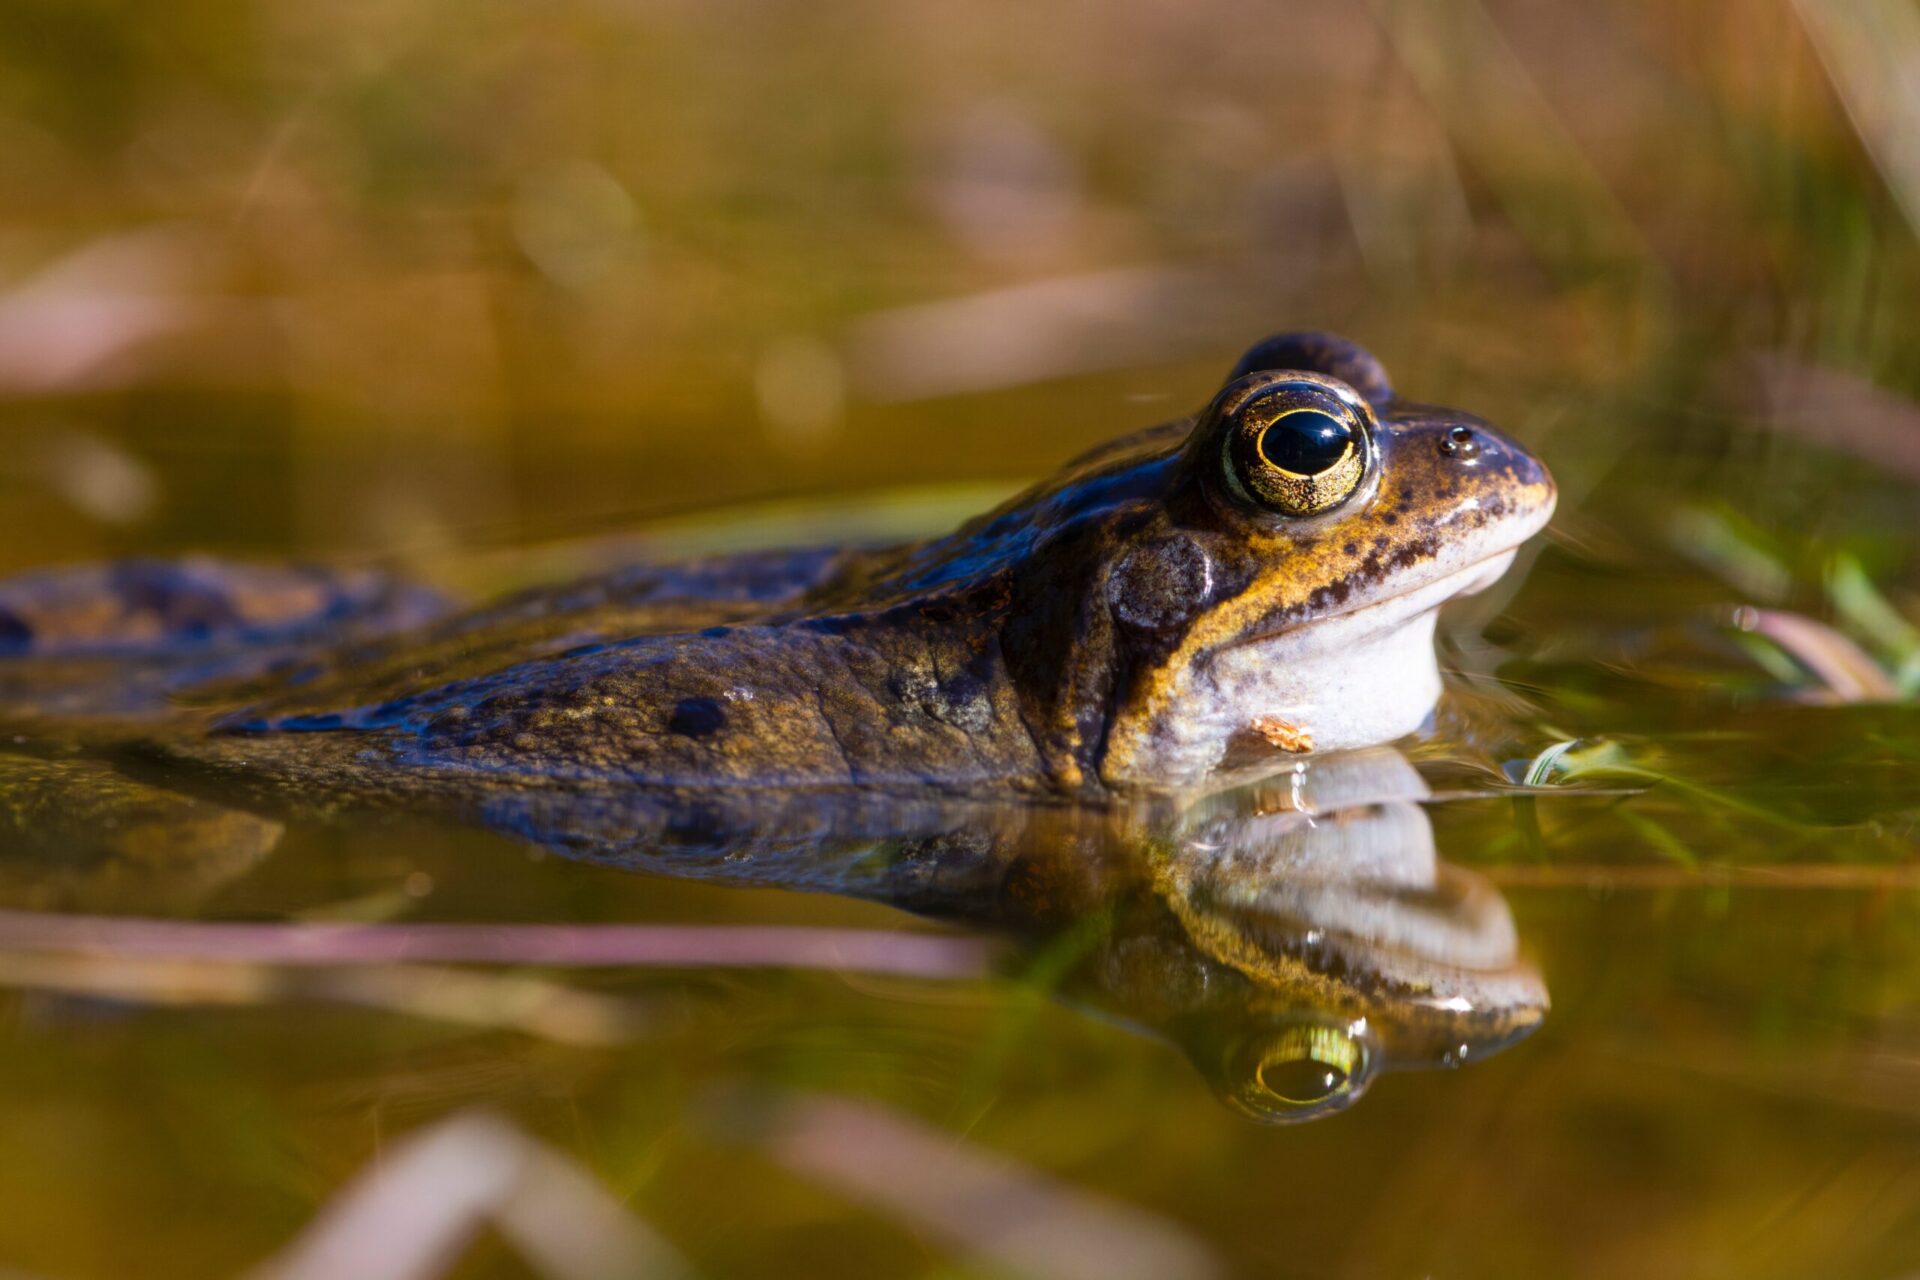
column 1297, row 447
column 1297, row 1072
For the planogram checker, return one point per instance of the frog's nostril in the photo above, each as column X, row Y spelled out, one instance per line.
column 1460, row 443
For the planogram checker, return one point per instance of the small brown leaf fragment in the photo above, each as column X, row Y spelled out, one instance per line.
column 1283, row 734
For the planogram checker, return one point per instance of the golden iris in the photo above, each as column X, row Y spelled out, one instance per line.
column 1307, row 1065
column 1302, row 460
column 1297, row 1072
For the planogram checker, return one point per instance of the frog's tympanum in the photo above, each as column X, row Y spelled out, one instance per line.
column 1259, row 579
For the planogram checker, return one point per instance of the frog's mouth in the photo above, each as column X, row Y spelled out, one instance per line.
column 1396, row 609
column 1474, row 548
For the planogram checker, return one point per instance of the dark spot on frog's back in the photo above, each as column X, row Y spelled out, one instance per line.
column 15, row 635
column 696, row 717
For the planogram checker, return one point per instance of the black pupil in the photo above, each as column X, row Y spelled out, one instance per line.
column 1305, row 443
column 1301, row 1079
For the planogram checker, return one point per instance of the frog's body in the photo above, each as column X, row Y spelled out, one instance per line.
column 1152, row 611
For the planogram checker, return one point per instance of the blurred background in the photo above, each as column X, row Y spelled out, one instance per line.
column 412, row 275
column 428, row 280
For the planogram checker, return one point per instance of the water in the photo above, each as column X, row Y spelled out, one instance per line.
column 466, row 290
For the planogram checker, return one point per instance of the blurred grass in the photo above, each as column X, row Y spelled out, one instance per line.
column 454, row 273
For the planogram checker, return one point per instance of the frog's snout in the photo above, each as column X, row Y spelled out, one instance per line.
column 1484, row 453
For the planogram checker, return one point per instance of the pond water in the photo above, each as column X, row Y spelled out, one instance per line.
column 491, row 297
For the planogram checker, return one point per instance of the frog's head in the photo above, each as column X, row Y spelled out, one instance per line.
column 1264, row 576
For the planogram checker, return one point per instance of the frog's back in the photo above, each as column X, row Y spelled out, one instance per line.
column 697, row 673
column 120, row 640
column 868, row 701
column 147, row 638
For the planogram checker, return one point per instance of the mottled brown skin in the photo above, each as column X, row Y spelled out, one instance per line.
column 1034, row 649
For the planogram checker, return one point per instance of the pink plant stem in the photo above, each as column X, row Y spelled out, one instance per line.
column 923, row 955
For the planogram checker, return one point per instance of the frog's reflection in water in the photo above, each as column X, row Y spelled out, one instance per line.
column 1296, row 935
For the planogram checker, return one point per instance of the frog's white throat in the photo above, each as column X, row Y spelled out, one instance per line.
column 1351, row 680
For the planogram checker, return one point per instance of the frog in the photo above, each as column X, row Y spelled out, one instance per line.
column 1256, row 580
